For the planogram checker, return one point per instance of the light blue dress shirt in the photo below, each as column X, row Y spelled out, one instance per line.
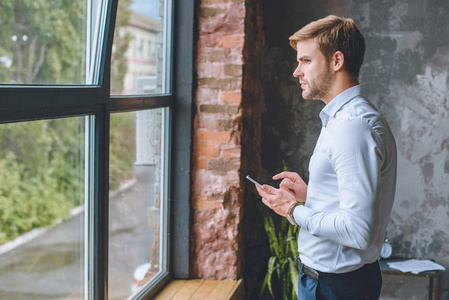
column 351, row 187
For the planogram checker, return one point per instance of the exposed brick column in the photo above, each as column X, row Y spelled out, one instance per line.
column 217, row 183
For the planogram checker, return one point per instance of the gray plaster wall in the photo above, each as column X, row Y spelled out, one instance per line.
column 406, row 75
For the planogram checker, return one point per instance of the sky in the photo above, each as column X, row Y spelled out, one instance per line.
column 147, row 7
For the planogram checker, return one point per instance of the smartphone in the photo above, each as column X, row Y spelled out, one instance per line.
column 253, row 181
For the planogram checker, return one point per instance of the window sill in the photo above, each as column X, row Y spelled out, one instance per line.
column 202, row 289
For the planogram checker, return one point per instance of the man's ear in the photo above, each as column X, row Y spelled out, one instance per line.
column 338, row 61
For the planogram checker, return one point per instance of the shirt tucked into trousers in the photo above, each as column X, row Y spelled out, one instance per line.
column 352, row 180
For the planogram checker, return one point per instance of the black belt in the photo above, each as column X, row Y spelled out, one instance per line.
column 312, row 273
column 307, row 270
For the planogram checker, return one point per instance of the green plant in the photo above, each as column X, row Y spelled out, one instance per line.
column 282, row 273
column 41, row 174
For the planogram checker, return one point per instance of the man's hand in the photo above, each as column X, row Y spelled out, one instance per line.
column 293, row 184
column 278, row 200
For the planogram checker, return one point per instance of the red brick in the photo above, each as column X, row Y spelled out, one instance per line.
column 205, row 95
column 206, row 183
column 206, row 149
column 211, row 69
column 230, row 41
column 209, row 122
column 225, row 55
column 201, row 163
column 234, row 152
column 231, row 96
column 221, row 26
column 205, row 203
column 230, row 83
column 217, row 194
column 224, row 165
column 207, row 40
column 214, row 136
column 235, row 11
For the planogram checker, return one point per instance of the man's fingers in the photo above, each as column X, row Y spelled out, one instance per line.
column 264, row 191
column 286, row 184
column 289, row 175
column 269, row 189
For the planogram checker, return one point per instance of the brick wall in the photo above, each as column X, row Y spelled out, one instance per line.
column 224, row 100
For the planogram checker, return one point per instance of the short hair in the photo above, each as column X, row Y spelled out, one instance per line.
column 334, row 34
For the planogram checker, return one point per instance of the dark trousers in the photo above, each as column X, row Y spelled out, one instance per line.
column 362, row 284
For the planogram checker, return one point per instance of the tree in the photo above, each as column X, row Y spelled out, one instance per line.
column 122, row 39
column 44, row 40
column 41, row 173
column 42, row 162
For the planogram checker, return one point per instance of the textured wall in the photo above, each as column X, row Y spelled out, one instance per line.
column 217, row 195
column 226, row 140
column 406, row 76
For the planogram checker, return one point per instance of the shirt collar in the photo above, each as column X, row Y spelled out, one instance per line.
column 335, row 104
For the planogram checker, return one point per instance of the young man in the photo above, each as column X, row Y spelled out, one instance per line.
column 352, row 172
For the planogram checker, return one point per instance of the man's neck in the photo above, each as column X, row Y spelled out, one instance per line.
column 341, row 83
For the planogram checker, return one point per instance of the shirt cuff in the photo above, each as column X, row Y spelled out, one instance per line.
column 300, row 214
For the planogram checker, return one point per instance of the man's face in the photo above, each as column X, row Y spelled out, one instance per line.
column 313, row 72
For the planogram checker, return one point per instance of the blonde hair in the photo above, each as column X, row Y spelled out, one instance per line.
column 334, row 34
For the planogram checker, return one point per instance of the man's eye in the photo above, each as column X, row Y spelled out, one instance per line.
column 307, row 61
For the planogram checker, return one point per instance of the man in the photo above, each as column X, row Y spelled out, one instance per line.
column 352, row 172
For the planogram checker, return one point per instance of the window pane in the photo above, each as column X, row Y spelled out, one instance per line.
column 49, row 42
column 139, row 55
column 42, row 209
column 137, row 201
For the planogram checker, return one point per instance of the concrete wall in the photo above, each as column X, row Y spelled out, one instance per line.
column 405, row 75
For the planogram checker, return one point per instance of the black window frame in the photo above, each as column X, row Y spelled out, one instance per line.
column 33, row 102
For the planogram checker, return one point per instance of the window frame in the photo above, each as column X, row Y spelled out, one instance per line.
column 33, row 102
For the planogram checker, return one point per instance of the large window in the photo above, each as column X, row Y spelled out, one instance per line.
column 86, row 141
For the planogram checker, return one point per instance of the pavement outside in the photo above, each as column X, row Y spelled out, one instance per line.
column 51, row 266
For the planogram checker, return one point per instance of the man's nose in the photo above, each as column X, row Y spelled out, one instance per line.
column 297, row 72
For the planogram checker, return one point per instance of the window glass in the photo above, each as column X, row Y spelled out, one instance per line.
column 44, row 42
column 139, row 55
column 42, row 209
column 137, row 201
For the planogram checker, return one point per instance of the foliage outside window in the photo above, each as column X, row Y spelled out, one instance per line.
column 40, row 177
column 43, row 42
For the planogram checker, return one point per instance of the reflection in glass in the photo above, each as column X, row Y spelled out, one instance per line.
column 136, row 201
column 43, row 42
column 42, row 209
column 138, row 54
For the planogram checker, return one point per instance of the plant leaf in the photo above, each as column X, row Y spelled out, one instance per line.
column 294, row 277
column 271, row 268
column 271, row 234
column 264, row 285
